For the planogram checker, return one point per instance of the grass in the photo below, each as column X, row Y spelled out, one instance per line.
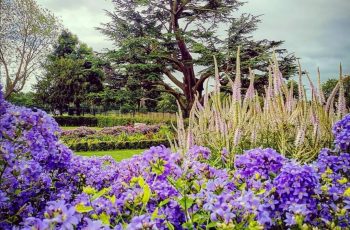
column 118, row 155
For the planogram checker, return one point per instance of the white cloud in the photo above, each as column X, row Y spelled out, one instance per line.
column 315, row 30
column 81, row 18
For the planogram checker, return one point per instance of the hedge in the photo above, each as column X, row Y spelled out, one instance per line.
column 84, row 146
column 107, row 121
column 76, row 121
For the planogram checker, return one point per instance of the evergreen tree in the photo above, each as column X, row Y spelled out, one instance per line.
column 165, row 40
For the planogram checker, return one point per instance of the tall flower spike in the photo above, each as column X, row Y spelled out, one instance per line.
column 277, row 76
column 313, row 89
column 236, row 94
column 330, row 100
column 300, row 86
column 320, row 91
column 290, row 97
column 217, row 77
column 250, row 91
column 341, row 100
column 269, row 90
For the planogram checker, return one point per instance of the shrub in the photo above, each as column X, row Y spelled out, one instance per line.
column 84, row 131
column 108, row 121
column 76, row 121
column 83, row 146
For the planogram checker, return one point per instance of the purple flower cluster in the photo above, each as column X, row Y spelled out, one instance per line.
column 44, row 186
column 341, row 131
column 259, row 162
column 297, row 186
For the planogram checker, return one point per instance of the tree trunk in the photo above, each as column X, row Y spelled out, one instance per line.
column 77, row 108
column 189, row 77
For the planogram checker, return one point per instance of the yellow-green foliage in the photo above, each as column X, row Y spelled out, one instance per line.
column 295, row 127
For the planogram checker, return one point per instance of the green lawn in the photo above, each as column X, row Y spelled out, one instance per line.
column 118, row 155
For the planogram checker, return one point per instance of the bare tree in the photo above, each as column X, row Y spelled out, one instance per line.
column 27, row 33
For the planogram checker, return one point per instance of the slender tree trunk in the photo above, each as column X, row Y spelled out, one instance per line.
column 78, row 109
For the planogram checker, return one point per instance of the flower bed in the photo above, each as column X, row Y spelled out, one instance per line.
column 118, row 137
column 43, row 185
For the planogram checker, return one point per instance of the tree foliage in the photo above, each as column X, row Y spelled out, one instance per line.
column 23, row 99
column 330, row 84
column 72, row 72
column 27, row 33
column 165, row 40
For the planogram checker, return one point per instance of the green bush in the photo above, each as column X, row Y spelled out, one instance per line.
column 108, row 121
column 93, row 145
column 76, row 121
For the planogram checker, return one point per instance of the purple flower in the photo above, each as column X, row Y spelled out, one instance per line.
column 341, row 131
column 259, row 162
column 141, row 222
column 198, row 153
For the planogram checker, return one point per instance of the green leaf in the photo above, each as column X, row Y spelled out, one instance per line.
column 211, row 225
column 197, row 186
column 154, row 214
column 164, row 202
column 105, row 218
column 187, row 225
column 146, row 194
column 89, row 190
column 158, row 168
column 199, row 218
column 185, row 202
column 180, row 184
column 100, row 193
column 170, row 226
column 262, row 191
column 81, row 208
column 242, row 186
column 141, row 182
column 112, row 199
column 342, row 180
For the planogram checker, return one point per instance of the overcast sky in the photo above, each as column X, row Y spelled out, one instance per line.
column 317, row 31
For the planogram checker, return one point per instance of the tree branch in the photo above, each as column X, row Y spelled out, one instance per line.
column 170, row 90
column 201, row 80
column 173, row 79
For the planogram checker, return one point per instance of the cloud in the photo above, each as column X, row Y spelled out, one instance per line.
column 81, row 18
column 315, row 30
